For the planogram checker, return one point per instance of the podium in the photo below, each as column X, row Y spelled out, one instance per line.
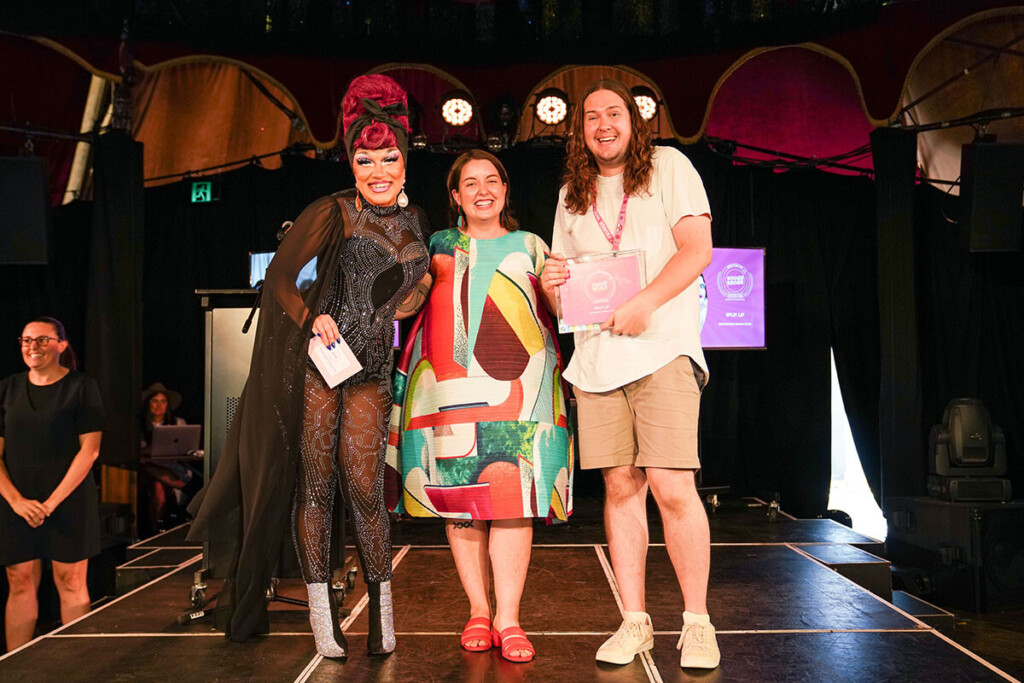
column 226, row 359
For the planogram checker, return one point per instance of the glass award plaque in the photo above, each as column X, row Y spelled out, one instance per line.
column 598, row 283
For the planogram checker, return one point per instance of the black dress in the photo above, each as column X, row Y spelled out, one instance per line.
column 246, row 505
column 40, row 426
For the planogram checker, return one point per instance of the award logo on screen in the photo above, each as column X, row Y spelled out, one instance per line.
column 599, row 286
column 735, row 282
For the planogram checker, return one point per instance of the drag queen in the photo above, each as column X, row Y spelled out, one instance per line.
column 293, row 438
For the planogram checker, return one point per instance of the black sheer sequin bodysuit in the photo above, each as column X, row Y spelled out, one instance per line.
column 344, row 430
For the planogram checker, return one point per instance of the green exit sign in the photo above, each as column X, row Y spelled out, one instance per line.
column 204, row 191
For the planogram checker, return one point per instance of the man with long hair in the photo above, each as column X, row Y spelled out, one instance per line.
column 639, row 377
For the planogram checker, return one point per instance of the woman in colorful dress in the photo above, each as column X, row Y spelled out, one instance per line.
column 480, row 434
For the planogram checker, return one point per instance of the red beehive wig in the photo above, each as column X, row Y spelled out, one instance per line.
column 371, row 132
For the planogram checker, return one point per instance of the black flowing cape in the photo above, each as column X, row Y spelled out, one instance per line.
column 248, row 500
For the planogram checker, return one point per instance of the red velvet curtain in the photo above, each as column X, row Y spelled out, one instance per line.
column 44, row 88
column 795, row 100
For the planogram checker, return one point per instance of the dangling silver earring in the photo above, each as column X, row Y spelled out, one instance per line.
column 403, row 200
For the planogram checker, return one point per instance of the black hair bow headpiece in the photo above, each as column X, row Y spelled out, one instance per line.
column 373, row 112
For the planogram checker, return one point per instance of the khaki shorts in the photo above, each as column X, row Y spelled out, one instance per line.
column 651, row 422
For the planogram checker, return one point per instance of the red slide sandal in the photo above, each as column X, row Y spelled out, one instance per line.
column 513, row 638
column 477, row 628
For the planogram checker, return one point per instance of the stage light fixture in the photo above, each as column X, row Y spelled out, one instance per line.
column 457, row 108
column 646, row 101
column 552, row 106
column 418, row 142
column 968, row 455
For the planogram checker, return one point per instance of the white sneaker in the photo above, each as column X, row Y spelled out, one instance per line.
column 635, row 635
column 698, row 647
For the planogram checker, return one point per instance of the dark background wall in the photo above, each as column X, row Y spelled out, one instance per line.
column 970, row 324
column 765, row 414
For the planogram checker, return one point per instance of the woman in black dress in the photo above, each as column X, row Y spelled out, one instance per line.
column 51, row 421
column 293, row 439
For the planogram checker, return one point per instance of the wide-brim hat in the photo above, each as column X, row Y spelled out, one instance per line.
column 173, row 397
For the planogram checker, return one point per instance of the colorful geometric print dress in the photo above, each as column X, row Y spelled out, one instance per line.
column 479, row 429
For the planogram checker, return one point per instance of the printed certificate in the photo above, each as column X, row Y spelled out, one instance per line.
column 337, row 364
column 597, row 284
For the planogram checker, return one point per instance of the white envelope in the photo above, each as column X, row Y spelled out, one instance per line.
column 337, row 364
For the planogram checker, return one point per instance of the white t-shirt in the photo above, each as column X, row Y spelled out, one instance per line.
column 602, row 360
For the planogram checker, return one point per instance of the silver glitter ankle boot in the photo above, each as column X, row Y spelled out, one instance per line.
column 381, row 638
column 323, row 617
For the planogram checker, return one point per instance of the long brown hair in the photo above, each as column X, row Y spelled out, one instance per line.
column 506, row 218
column 580, row 175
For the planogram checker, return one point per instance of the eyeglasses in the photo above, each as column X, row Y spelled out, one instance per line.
column 41, row 342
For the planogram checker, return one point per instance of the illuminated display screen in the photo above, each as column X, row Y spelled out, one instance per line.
column 732, row 300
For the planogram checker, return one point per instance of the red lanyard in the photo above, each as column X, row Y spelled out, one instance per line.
column 617, row 237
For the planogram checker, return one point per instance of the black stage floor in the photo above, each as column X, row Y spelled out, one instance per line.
column 781, row 615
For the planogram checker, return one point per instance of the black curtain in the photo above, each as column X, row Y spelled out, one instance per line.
column 114, row 302
column 901, row 435
column 765, row 422
column 850, row 256
column 971, row 326
column 192, row 246
column 57, row 288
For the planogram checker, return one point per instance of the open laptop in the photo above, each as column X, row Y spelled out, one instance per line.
column 174, row 442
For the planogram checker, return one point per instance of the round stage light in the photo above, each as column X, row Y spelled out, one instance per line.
column 552, row 106
column 646, row 101
column 648, row 107
column 457, row 109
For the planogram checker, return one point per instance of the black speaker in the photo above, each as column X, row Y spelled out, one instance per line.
column 24, row 211
column 991, row 187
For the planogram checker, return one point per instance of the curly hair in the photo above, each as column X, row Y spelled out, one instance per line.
column 508, row 221
column 374, row 87
column 580, row 177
